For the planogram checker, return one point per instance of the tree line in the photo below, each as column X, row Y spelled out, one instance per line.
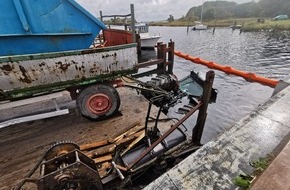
column 225, row 9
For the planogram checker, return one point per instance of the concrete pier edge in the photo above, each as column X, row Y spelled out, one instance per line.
column 264, row 131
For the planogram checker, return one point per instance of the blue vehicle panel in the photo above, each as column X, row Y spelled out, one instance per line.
column 39, row 26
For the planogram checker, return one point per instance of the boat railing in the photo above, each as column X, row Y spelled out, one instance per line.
column 124, row 23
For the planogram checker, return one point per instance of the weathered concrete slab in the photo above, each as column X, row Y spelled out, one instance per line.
column 217, row 163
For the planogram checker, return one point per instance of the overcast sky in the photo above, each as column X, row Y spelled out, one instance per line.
column 145, row 10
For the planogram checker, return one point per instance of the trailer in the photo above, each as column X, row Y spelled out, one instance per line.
column 46, row 46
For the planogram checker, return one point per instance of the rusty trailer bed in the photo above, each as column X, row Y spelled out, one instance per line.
column 25, row 75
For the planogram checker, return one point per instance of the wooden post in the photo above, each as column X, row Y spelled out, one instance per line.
column 241, row 30
column 164, row 53
column 138, row 41
column 198, row 129
column 170, row 57
column 213, row 31
column 161, row 54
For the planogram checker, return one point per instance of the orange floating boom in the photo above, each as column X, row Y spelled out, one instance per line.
column 251, row 77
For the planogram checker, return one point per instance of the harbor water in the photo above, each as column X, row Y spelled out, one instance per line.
column 263, row 53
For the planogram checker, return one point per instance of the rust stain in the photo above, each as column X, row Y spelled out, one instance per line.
column 26, row 78
column 42, row 64
column 7, row 68
column 94, row 70
column 109, row 55
column 63, row 66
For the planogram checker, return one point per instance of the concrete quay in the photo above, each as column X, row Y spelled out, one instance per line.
column 214, row 166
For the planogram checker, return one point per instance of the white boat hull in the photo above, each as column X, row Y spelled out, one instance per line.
column 149, row 42
column 199, row 27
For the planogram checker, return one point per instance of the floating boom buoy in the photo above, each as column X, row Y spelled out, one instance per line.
column 250, row 77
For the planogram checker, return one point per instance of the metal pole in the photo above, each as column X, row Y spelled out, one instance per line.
column 101, row 16
column 201, row 12
column 166, row 134
column 198, row 129
column 133, row 23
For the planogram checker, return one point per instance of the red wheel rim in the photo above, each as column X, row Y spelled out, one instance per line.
column 99, row 104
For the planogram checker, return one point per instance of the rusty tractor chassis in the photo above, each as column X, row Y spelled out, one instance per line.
column 25, row 75
column 65, row 166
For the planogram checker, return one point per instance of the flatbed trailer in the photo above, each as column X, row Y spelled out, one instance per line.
column 47, row 46
column 24, row 76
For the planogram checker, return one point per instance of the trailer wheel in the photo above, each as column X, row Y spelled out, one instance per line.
column 98, row 102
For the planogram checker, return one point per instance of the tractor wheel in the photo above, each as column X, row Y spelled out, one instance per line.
column 98, row 102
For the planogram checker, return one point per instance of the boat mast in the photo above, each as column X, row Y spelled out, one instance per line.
column 201, row 12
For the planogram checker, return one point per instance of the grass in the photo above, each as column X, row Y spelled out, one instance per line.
column 267, row 25
column 243, row 181
column 250, row 24
column 260, row 165
column 210, row 23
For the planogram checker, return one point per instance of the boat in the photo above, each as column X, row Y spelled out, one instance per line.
column 198, row 24
column 236, row 26
column 148, row 41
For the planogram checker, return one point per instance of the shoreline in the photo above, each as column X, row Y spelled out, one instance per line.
column 249, row 24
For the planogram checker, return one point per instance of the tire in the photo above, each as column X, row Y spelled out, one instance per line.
column 98, row 102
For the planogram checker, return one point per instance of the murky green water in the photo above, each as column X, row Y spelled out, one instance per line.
column 265, row 54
